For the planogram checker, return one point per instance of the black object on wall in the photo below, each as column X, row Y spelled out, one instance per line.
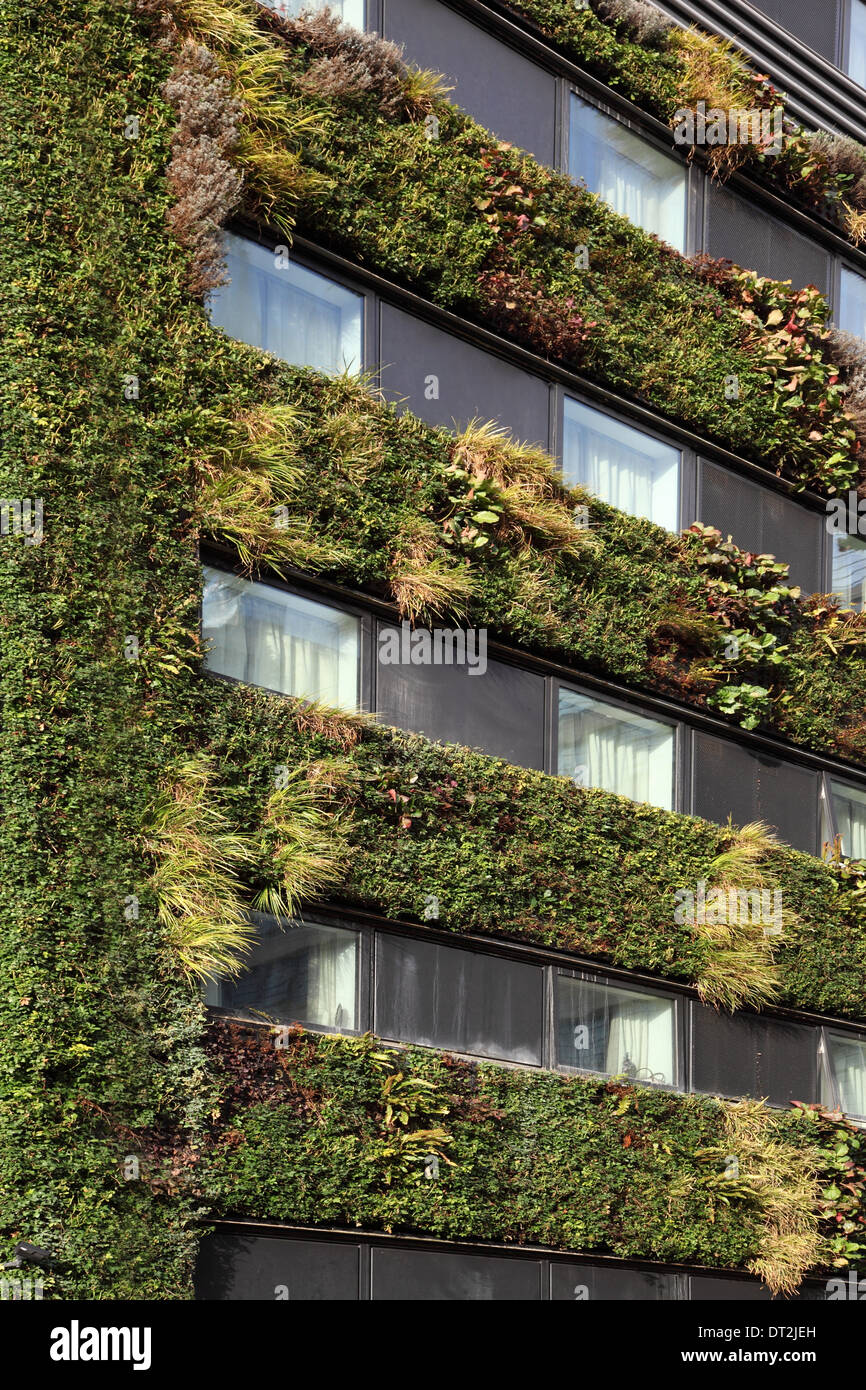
column 460, row 1000
column 756, row 241
column 268, row 1268
column 501, row 712
column 730, row 780
column 764, row 522
column 443, row 379
column 506, row 92
column 438, row 1275
column 747, row 1054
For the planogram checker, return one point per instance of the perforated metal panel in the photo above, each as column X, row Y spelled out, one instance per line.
column 754, row 240
column 706, row 1287
column 440, row 1275
column 730, row 780
column 500, row 712
column 764, row 521
column 816, row 23
column 441, row 996
column 578, row 1282
column 443, row 379
column 245, row 1268
column 506, row 92
column 749, row 1055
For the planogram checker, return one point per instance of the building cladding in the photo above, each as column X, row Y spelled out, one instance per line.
column 539, row 1008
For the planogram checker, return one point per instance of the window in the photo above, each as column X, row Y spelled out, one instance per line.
column 601, row 745
column 639, row 181
column 297, row 972
column 849, row 570
column 265, row 636
column 580, row 1282
column 294, row 313
column 434, row 1275
column 844, row 1081
column 621, row 465
column 849, row 816
column 350, row 11
column 248, row 1268
column 857, row 43
column 852, row 303
column 747, row 1054
column 465, row 1001
column 620, row 1032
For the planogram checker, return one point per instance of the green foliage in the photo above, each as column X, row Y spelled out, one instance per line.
column 572, row 1163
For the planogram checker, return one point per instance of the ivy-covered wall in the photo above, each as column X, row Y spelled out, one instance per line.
column 139, row 809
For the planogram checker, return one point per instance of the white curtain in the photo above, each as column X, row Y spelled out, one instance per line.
column 617, row 1031
column 849, row 1064
column 601, row 746
column 857, row 54
column 849, row 811
column 849, row 570
column 292, row 312
column 620, row 465
column 637, row 180
column 331, row 980
column 265, row 636
column 297, row 972
column 640, row 1041
column 350, row 11
column 852, row 303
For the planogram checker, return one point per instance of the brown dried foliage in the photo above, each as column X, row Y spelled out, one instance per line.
column 201, row 174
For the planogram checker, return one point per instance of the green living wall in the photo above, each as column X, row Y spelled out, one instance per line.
column 139, row 799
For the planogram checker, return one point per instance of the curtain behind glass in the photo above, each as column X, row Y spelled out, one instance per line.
column 849, row 810
column 297, row 973
column 265, row 636
column 849, row 570
column 852, row 303
column 857, row 48
column 617, row 1031
column 637, row 180
column 297, row 315
column 620, row 465
column 849, row 1064
column 350, row 11
column 602, row 746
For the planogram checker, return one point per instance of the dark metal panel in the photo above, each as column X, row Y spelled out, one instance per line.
column 443, row 379
column 730, row 780
column 251, row 1268
column 712, row 1287
column 817, row 25
column 434, row 1276
column 754, row 240
column 765, row 522
column 464, row 1001
column 576, row 1282
column 501, row 712
column 506, row 92
column 748, row 1055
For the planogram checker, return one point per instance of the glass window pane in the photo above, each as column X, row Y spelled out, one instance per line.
column 265, row 636
column 621, row 1032
column 433, row 1275
column 639, row 181
column 852, row 303
column 296, row 972
column 621, row 465
column 849, row 570
column 465, row 1001
column 616, row 750
column 849, row 811
column 350, row 11
column 857, row 45
column 849, row 1064
column 296, row 314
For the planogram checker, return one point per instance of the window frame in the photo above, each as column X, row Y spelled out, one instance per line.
column 693, row 182
column 678, row 769
column 681, row 1022
column 687, row 485
column 220, row 558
